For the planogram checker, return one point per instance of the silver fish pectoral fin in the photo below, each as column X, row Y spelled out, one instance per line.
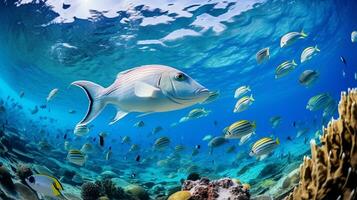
column 120, row 114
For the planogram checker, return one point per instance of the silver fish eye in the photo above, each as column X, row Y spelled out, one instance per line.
column 31, row 179
column 180, row 77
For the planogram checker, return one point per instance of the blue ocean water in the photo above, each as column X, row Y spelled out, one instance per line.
column 45, row 46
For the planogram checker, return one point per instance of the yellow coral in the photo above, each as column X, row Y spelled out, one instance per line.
column 180, row 195
column 330, row 173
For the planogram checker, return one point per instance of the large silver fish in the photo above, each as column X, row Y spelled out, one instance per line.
column 144, row 89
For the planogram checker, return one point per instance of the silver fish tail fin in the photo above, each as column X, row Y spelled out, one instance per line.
column 94, row 94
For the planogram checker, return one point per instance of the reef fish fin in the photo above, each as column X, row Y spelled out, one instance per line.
column 145, row 90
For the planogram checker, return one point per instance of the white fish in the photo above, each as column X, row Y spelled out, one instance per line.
column 308, row 53
column 108, row 155
column 243, row 103
column 354, row 36
column 241, row 91
column 45, row 185
column 52, row 94
column 145, row 89
column 207, row 137
column 245, row 138
column 355, row 76
column 291, row 37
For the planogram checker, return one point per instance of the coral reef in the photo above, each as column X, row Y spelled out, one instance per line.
column 225, row 188
column 104, row 189
column 137, row 192
column 90, row 191
column 331, row 173
column 180, row 195
column 23, row 171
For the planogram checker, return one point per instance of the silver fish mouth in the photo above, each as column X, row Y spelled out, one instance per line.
column 202, row 90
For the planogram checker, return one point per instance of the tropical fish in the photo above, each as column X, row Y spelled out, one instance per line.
column 52, row 94
column 145, row 89
column 139, row 124
column 285, row 68
column 308, row 53
column 156, row 130
column 109, row 153
column 216, row 142
column 76, row 157
column 34, row 111
column 241, row 91
column 330, row 109
column 21, row 94
column 243, row 103
column 239, row 129
column 262, row 55
column 71, row 111
column 45, row 185
column 308, row 77
column 125, row 140
column 179, row 148
column 245, row 138
column 343, row 60
column 290, row 38
column 231, row 149
column 101, row 140
column 162, row 143
column 67, row 145
column 354, row 36
column 263, row 147
column 275, row 121
column 198, row 113
column 213, row 95
column 134, row 147
column 80, row 130
column 87, row 148
column 137, row 158
column 302, row 132
column 318, row 102
column 207, row 137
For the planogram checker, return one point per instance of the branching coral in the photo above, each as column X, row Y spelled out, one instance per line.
column 331, row 172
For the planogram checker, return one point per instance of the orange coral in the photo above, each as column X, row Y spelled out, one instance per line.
column 331, row 172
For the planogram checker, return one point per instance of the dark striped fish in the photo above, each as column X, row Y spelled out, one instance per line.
column 179, row 148
column 263, row 55
column 161, row 143
column 240, row 129
column 76, row 157
column 263, row 147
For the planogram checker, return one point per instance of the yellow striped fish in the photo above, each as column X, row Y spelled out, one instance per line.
column 76, row 157
column 239, row 129
column 263, row 147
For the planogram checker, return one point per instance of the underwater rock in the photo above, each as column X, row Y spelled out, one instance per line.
column 180, row 195
column 6, row 180
column 331, row 173
column 108, row 175
column 23, row 171
column 225, row 188
column 137, row 191
column 90, row 191
column 24, row 192
column 193, row 176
